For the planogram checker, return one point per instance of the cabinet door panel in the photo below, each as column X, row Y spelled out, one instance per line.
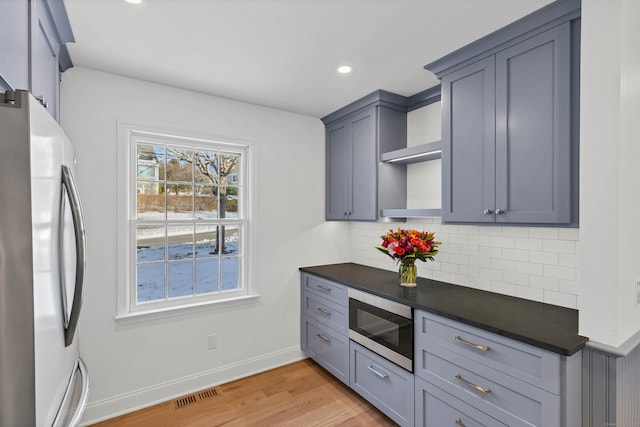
column 364, row 176
column 468, row 131
column 14, row 48
column 533, row 141
column 338, row 197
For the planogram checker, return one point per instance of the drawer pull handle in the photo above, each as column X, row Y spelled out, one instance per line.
column 323, row 338
column 323, row 288
column 470, row 344
column 378, row 373
column 322, row 311
column 459, row 422
column 472, row 385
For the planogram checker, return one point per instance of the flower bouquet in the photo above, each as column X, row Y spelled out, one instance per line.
column 407, row 246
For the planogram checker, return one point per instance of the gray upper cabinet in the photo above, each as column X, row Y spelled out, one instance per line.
column 509, row 114
column 36, row 54
column 14, row 48
column 358, row 184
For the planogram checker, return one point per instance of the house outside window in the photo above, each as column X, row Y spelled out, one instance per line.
column 186, row 223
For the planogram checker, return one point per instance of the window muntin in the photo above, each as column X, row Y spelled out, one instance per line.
column 188, row 222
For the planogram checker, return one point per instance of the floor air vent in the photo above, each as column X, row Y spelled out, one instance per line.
column 195, row 398
column 207, row 394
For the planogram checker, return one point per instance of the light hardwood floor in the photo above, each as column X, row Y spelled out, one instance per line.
column 299, row 394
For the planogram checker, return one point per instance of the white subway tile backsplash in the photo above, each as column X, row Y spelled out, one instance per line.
column 502, row 242
column 558, row 272
column 543, row 257
column 564, row 246
column 536, row 263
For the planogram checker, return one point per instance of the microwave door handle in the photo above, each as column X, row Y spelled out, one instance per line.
column 78, row 226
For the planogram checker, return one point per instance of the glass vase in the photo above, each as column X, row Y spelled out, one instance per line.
column 408, row 272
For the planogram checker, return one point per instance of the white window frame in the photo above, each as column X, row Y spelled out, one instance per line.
column 129, row 134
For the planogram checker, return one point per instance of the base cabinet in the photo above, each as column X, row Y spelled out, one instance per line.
column 435, row 407
column 387, row 386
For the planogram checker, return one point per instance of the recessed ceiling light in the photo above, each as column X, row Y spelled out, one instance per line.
column 134, row 1
column 345, row 69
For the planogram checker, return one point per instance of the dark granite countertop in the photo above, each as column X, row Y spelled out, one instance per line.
column 550, row 327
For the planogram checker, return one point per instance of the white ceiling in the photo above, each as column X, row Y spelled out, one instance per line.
column 282, row 53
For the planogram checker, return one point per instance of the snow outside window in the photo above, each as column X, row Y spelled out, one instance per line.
column 187, row 221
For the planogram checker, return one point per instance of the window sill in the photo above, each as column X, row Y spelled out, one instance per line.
column 169, row 312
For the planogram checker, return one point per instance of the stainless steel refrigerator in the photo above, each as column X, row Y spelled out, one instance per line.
column 43, row 381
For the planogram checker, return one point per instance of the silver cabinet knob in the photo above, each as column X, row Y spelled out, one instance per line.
column 487, row 211
column 499, row 211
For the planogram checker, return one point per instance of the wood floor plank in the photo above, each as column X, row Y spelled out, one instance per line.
column 295, row 395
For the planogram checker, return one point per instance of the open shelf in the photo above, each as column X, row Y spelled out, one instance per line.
column 419, row 153
column 411, row 213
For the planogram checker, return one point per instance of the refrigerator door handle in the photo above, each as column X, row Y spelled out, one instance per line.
column 84, row 396
column 75, row 400
column 70, row 189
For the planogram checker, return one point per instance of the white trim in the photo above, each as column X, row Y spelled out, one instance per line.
column 126, row 205
column 148, row 396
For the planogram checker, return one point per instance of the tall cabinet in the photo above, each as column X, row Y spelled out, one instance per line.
column 33, row 54
column 358, row 184
column 509, row 115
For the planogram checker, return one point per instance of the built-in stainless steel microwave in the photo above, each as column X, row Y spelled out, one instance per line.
column 383, row 326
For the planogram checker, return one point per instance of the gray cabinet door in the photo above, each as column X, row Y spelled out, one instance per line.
column 14, row 48
column 338, row 173
column 468, row 151
column 45, row 65
column 351, row 168
column 364, row 171
column 533, row 138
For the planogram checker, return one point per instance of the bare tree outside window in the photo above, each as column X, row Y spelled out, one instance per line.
column 217, row 168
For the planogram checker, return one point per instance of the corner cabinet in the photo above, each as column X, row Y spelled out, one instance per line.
column 509, row 129
column 358, row 184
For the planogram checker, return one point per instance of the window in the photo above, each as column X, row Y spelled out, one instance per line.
column 186, row 222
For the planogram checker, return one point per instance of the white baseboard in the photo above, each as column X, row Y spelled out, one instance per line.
column 142, row 398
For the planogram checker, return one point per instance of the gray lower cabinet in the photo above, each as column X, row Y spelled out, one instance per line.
column 358, row 185
column 324, row 323
column 490, row 377
column 507, row 152
column 435, row 407
column 387, row 386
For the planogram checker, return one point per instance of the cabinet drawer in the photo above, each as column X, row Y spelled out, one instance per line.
column 522, row 361
column 436, row 408
column 327, row 347
column 325, row 311
column 325, row 288
column 387, row 386
column 501, row 396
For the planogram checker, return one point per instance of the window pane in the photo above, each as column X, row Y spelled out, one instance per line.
column 206, row 170
column 206, row 202
column 180, row 278
column 232, row 200
column 150, row 200
column 150, row 243
column 230, row 274
column 180, row 241
column 150, row 282
column 231, row 237
column 206, row 275
column 229, row 169
column 149, row 161
column 206, row 243
column 179, row 165
column 179, row 201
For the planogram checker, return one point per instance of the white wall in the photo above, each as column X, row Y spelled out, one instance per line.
column 610, row 176
column 134, row 364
